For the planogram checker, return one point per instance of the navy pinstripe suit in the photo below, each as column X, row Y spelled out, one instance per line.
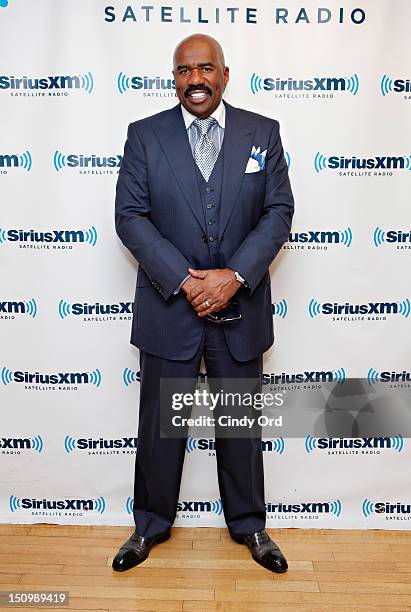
column 161, row 218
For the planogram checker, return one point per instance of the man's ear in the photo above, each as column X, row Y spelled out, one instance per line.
column 226, row 75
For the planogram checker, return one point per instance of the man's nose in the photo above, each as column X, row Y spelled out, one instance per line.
column 196, row 77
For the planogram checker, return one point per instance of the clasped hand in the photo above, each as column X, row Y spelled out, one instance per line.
column 209, row 291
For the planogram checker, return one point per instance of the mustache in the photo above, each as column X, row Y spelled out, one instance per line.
column 192, row 88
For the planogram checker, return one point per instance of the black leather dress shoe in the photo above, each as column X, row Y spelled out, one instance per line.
column 135, row 551
column 264, row 550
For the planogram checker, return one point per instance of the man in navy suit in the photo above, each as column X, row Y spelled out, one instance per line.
column 204, row 204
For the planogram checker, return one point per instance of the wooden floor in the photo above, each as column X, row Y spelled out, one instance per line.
column 203, row 570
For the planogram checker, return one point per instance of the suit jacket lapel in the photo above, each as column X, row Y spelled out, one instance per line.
column 238, row 139
column 172, row 135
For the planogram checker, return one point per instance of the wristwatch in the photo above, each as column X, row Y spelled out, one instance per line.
column 239, row 278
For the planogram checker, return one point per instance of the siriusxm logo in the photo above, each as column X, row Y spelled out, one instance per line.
column 200, row 444
column 130, row 376
column 35, row 443
column 324, row 376
column 373, row 376
column 29, row 308
column 71, row 444
column 316, row 237
column 398, row 237
column 16, row 160
column 66, row 309
column 314, row 84
column 280, row 309
column 149, row 86
column 201, row 506
column 378, row 162
column 96, row 505
column 389, row 85
column 287, row 159
column 58, row 378
column 384, row 507
column 129, row 505
column 333, row 507
column 52, row 237
column 336, row 309
column 215, row 507
column 394, row 442
column 275, row 445
column 90, row 162
column 54, row 84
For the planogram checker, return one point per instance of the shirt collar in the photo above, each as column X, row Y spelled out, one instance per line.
column 218, row 115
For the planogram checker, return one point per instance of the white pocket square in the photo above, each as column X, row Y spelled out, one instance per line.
column 252, row 166
column 256, row 161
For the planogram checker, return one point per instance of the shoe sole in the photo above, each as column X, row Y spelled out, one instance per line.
column 157, row 541
column 266, row 566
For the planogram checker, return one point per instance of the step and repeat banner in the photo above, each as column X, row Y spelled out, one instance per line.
column 73, row 75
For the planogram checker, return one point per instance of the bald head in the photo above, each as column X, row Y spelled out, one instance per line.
column 200, row 74
column 203, row 38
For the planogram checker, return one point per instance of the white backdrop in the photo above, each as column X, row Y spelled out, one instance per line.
column 67, row 443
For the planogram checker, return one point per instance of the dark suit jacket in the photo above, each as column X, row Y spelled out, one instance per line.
column 159, row 218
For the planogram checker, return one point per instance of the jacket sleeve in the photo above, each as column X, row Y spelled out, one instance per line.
column 261, row 245
column 160, row 259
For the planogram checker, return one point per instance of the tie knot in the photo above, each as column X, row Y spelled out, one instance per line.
column 203, row 125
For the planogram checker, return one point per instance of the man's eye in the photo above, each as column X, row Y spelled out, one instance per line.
column 184, row 71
